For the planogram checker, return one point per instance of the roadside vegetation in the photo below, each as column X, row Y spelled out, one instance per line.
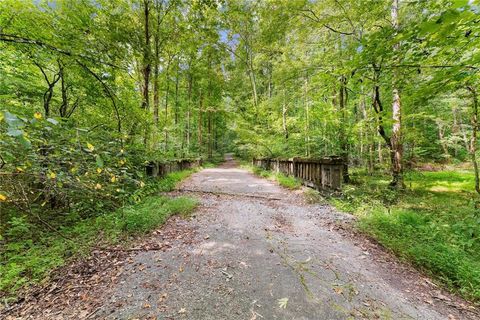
column 434, row 223
column 283, row 180
column 31, row 253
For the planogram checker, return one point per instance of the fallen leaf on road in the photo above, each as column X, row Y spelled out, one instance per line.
column 282, row 303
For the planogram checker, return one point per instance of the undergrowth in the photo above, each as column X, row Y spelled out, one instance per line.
column 32, row 253
column 433, row 224
column 285, row 181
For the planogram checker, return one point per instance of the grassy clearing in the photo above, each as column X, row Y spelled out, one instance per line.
column 33, row 255
column 433, row 224
column 285, row 181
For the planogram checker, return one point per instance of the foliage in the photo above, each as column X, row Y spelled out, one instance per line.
column 31, row 253
column 92, row 90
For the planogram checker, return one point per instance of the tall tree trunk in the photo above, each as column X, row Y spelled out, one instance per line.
column 343, row 136
column 307, row 117
column 473, row 138
column 156, row 85
column 210, row 153
column 189, row 108
column 441, row 139
column 396, row 138
column 200, row 123
column 146, row 56
column 284, row 115
column 176, row 96
column 167, row 91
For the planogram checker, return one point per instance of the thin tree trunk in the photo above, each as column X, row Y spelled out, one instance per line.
column 473, row 138
column 307, row 118
column 200, row 120
column 343, row 137
column 165, row 126
column 156, row 85
column 189, row 108
column 396, row 138
column 284, row 115
column 210, row 154
column 441, row 139
column 146, row 57
column 176, row 96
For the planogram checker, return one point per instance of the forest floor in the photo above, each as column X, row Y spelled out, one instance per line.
column 252, row 250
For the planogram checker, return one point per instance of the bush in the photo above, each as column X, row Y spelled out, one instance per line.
column 31, row 252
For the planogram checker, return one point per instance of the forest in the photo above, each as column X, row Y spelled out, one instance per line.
column 92, row 90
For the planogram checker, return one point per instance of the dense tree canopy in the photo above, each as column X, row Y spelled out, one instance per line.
column 91, row 90
column 282, row 78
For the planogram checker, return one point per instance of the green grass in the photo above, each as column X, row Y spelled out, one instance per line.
column 434, row 224
column 285, row 181
column 29, row 260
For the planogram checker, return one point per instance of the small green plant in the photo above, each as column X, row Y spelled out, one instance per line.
column 314, row 196
column 287, row 181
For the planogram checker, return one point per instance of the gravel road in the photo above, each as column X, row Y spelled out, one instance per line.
column 254, row 250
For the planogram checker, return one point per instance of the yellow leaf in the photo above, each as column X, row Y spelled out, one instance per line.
column 142, row 184
column 19, row 169
column 37, row 115
column 99, row 170
column 52, row 175
column 90, row 146
column 122, row 151
column 113, row 179
column 122, row 162
column 3, row 197
column 1, row 116
column 282, row 303
column 98, row 186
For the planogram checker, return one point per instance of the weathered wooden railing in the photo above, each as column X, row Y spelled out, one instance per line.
column 162, row 168
column 323, row 173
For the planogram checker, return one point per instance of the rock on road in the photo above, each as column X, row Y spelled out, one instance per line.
column 258, row 251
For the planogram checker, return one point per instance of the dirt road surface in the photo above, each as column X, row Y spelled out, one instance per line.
column 253, row 250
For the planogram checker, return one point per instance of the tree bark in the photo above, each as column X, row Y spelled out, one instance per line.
column 284, row 115
column 473, row 138
column 307, row 117
column 146, row 57
column 48, row 95
column 396, row 138
column 200, row 122
column 343, row 136
column 441, row 138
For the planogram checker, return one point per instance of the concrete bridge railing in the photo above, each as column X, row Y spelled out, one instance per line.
column 322, row 173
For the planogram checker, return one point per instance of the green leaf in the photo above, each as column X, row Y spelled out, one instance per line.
column 24, row 142
column 99, row 161
column 14, row 132
column 52, row 121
